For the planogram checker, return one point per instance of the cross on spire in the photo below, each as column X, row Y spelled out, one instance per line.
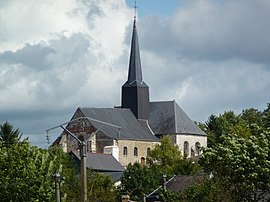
column 135, row 10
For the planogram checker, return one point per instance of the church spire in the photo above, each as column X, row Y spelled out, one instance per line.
column 135, row 92
column 135, row 70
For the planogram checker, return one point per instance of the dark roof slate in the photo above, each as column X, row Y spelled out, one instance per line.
column 103, row 163
column 135, row 71
column 168, row 118
column 130, row 126
column 179, row 183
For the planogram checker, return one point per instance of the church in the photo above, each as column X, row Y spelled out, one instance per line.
column 128, row 132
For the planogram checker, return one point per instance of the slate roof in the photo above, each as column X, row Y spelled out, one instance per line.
column 135, row 71
column 176, row 184
column 167, row 117
column 179, row 183
column 130, row 126
column 103, row 163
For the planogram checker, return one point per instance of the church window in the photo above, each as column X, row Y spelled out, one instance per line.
column 186, row 148
column 148, row 151
column 197, row 148
column 135, row 151
column 125, row 151
column 142, row 161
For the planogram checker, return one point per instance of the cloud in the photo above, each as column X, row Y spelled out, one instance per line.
column 210, row 56
column 216, row 30
column 56, row 58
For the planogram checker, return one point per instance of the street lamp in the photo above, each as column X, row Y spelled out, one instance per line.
column 83, row 161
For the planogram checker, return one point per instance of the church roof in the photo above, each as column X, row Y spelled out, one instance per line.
column 168, row 118
column 130, row 126
column 135, row 71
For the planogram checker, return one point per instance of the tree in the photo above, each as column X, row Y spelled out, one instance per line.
column 165, row 158
column 9, row 136
column 266, row 116
column 166, row 155
column 241, row 165
column 100, row 187
column 251, row 117
column 139, row 180
column 25, row 173
column 228, row 123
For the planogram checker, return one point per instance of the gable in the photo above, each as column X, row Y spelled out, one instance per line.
column 130, row 128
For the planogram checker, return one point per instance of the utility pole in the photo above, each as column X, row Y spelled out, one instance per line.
column 83, row 165
column 57, row 178
column 83, row 172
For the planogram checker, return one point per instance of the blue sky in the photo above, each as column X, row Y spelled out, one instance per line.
column 56, row 55
column 155, row 7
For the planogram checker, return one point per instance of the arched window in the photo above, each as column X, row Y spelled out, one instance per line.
column 186, row 148
column 125, row 151
column 142, row 161
column 135, row 151
column 197, row 148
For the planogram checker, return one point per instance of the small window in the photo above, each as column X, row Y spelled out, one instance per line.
column 89, row 146
column 142, row 161
column 186, row 148
column 125, row 151
column 197, row 148
column 135, row 151
column 148, row 151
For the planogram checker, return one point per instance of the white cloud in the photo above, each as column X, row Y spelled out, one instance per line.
column 55, row 56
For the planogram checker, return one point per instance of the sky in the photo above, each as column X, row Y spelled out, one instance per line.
column 210, row 56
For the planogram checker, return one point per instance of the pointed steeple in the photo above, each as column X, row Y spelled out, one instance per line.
column 135, row 70
column 135, row 92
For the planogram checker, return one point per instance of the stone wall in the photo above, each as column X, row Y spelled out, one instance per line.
column 142, row 147
column 191, row 140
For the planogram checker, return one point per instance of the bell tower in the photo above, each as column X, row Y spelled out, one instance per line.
column 135, row 92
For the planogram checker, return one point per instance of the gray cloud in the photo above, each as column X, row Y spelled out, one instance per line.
column 213, row 30
column 210, row 56
column 33, row 56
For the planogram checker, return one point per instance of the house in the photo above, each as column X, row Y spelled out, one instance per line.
column 129, row 131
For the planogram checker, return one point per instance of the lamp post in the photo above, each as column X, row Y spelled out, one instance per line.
column 57, row 186
column 83, row 161
column 83, row 165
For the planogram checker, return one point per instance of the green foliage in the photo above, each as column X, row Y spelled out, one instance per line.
column 266, row 116
column 252, row 117
column 207, row 191
column 25, row 173
column 100, row 187
column 187, row 167
column 240, row 165
column 165, row 158
column 9, row 136
column 139, row 180
column 229, row 123
column 166, row 155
